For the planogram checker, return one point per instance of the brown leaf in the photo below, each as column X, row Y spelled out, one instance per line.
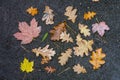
column 64, row 57
column 45, row 60
column 57, row 30
column 50, row 69
column 79, row 69
column 71, row 13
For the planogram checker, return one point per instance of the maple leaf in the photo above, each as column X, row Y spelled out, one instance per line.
column 57, row 30
column 79, row 69
column 83, row 46
column 32, row 11
column 71, row 13
column 100, row 28
column 27, row 33
column 44, row 52
column 89, row 15
column 48, row 16
column 27, row 66
column 83, row 29
column 65, row 37
column 50, row 69
column 96, row 58
column 64, row 56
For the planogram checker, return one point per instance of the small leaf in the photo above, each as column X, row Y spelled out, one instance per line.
column 44, row 37
column 27, row 66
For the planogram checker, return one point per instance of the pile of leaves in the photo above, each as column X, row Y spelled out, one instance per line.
column 60, row 33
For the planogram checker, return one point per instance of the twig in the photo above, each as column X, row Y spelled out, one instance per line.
column 25, row 48
column 70, row 28
column 63, row 71
column 97, row 20
column 24, row 76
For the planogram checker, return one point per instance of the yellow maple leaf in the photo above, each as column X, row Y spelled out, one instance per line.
column 27, row 66
column 32, row 11
column 89, row 15
column 96, row 58
column 84, row 29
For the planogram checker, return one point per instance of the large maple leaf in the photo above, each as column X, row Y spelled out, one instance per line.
column 100, row 28
column 27, row 33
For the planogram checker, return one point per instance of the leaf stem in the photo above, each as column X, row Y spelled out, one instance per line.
column 24, row 48
column 70, row 28
column 24, row 76
column 97, row 20
column 64, row 70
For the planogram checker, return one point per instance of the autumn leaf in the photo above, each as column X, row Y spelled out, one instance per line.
column 50, row 69
column 71, row 13
column 45, row 60
column 83, row 46
column 97, row 59
column 65, row 56
column 32, row 11
column 84, row 29
column 44, row 52
column 89, row 15
column 57, row 30
column 44, row 37
column 65, row 37
column 100, row 28
column 28, row 33
column 95, row 0
column 48, row 16
column 79, row 69
column 27, row 66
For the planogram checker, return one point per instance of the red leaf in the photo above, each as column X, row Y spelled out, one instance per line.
column 28, row 32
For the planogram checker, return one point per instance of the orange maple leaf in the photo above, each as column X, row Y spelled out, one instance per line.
column 89, row 15
column 96, row 58
column 32, row 11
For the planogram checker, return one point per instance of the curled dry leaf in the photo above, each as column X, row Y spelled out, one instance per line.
column 97, row 58
column 100, row 28
column 27, row 33
column 84, row 29
column 95, row 0
column 83, row 46
column 71, row 13
column 48, row 16
column 50, row 69
column 32, row 11
column 57, row 30
column 65, row 37
column 64, row 57
column 44, row 52
column 89, row 15
column 79, row 69
column 45, row 60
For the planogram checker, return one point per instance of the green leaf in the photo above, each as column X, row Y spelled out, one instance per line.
column 44, row 37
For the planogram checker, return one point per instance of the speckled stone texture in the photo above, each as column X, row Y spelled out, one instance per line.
column 11, row 53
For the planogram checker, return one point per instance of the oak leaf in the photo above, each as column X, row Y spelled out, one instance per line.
column 48, row 16
column 50, row 69
column 57, row 30
column 28, row 33
column 27, row 66
column 45, row 60
column 44, row 52
column 84, row 29
column 100, row 28
column 71, row 13
column 89, row 15
column 83, row 46
column 32, row 11
column 65, row 56
column 65, row 37
column 97, row 58
column 79, row 69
